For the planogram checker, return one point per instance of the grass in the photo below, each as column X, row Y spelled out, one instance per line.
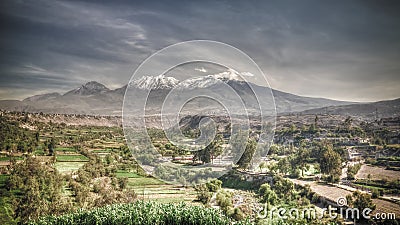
column 370, row 187
column 143, row 181
column 7, row 158
column 102, row 150
column 121, row 173
column 72, row 158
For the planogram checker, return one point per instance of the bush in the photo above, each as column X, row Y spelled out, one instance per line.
column 224, row 200
column 375, row 193
column 205, row 191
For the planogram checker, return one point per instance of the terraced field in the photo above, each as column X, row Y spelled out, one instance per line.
column 377, row 173
column 148, row 188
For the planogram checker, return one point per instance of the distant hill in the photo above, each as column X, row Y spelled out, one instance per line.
column 94, row 98
column 381, row 109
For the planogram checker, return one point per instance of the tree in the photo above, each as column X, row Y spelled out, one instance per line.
column 245, row 160
column 215, row 147
column 302, row 158
column 284, row 188
column 40, row 189
column 37, row 137
column 262, row 165
column 316, row 120
column 51, row 145
column 347, row 123
column 284, row 166
column 360, row 201
column 211, row 151
column 330, row 164
column 267, row 194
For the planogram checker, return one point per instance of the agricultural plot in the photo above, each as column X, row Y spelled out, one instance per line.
column 377, row 173
column 68, row 167
column 142, row 213
column 148, row 188
column 165, row 193
column 71, row 158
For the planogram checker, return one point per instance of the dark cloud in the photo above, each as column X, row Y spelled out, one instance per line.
column 338, row 49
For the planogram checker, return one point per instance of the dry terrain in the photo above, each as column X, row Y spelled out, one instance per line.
column 377, row 173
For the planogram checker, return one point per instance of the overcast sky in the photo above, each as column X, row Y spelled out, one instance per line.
column 346, row 50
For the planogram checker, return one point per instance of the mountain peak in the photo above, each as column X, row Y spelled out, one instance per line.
column 230, row 74
column 90, row 88
column 94, row 85
column 163, row 82
column 155, row 82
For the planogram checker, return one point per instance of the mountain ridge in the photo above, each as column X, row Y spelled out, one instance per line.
column 95, row 98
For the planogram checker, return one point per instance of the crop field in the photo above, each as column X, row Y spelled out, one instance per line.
column 69, row 160
column 143, row 213
column 166, row 193
column 122, row 173
column 149, row 188
column 377, row 173
column 68, row 167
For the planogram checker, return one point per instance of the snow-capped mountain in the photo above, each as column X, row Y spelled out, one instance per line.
column 154, row 82
column 163, row 82
column 95, row 98
column 210, row 80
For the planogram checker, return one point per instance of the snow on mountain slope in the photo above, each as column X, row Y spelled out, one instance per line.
column 209, row 80
column 157, row 82
column 163, row 82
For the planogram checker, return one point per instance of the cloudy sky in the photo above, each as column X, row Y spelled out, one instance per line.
column 347, row 50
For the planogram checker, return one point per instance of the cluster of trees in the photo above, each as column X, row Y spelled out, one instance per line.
column 323, row 156
column 282, row 193
column 34, row 189
column 13, row 138
column 223, row 198
column 352, row 171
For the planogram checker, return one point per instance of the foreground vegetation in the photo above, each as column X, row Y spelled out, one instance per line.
column 146, row 213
